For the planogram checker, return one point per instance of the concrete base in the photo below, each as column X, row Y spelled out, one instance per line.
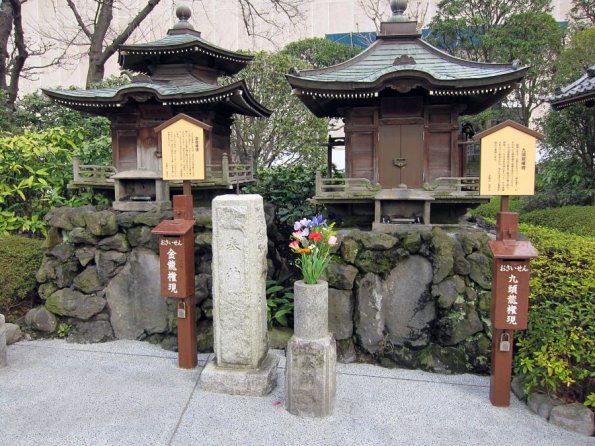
column 141, row 206
column 3, row 354
column 310, row 376
column 248, row 382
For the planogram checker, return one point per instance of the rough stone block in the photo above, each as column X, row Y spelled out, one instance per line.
column 40, row 319
column 68, row 302
column 310, row 376
column 248, row 382
column 573, row 417
column 239, row 273
column 3, row 353
column 340, row 313
column 136, row 306
column 542, row 404
column 13, row 334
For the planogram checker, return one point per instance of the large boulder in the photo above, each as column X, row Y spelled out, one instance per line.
column 340, row 313
column 442, row 254
column 101, row 223
column 13, row 333
column 91, row 332
column 340, row 276
column 88, row 281
column 573, row 417
column 136, row 306
column 40, row 319
column 480, row 270
column 108, row 263
column 115, row 242
column 399, row 307
column 369, row 319
column 68, row 302
column 409, row 309
column 458, row 326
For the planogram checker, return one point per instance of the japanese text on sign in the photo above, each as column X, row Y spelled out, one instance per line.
column 507, row 163
column 183, row 151
column 172, row 267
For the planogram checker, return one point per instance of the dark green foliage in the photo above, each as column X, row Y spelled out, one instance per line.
column 289, row 189
column 317, row 52
column 579, row 220
column 279, row 295
column 560, row 182
column 20, row 258
column 557, row 352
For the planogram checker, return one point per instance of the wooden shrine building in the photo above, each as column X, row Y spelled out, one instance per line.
column 176, row 74
column 401, row 99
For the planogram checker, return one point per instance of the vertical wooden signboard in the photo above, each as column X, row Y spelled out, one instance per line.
column 507, row 167
column 184, row 142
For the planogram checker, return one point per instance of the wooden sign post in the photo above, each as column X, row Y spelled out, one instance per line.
column 507, row 167
column 183, row 141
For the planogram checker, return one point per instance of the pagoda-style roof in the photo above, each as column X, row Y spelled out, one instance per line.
column 400, row 60
column 181, row 46
column 184, row 90
column 180, row 69
column 581, row 91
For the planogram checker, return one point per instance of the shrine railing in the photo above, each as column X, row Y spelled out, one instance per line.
column 217, row 174
column 354, row 188
column 91, row 173
column 344, row 187
column 455, row 186
column 227, row 173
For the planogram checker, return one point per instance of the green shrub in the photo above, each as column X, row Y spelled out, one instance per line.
column 20, row 258
column 557, row 352
column 578, row 220
column 288, row 188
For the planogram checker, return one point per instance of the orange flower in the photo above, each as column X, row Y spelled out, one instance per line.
column 304, row 251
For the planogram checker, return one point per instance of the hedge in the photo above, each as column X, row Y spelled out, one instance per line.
column 579, row 220
column 556, row 353
column 20, row 258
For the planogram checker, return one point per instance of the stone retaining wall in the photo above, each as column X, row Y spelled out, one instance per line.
column 417, row 298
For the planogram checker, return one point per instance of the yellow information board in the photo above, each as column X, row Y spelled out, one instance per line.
column 507, row 162
column 183, row 148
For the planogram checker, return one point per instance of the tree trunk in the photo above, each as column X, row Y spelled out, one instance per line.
column 5, row 32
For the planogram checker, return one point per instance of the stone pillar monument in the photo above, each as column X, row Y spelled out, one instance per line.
column 3, row 359
column 242, row 365
column 310, row 371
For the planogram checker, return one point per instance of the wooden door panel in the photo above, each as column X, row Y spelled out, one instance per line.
column 390, row 149
column 439, row 145
column 127, row 150
column 412, row 150
column 361, row 156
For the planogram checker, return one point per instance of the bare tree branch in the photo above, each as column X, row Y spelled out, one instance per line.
column 78, row 18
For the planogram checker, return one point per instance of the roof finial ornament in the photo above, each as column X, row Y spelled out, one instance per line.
column 183, row 13
column 398, row 8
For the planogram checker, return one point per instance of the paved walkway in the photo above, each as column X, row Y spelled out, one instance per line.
column 133, row 393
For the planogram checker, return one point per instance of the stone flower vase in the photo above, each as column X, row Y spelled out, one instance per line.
column 310, row 371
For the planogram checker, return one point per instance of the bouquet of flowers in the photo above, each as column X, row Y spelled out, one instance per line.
column 312, row 240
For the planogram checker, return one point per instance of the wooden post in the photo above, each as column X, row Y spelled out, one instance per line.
column 187, row 351
column 501, row 372
column 76, row 168
column 225, row 169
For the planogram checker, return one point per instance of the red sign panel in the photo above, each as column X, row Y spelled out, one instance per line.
column 511, row 294
column 175, row 266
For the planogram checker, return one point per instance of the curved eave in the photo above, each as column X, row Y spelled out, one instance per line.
column 564, row 100
column 428, row 82
column 236, row 93
column 330, row 104
column 138, row 58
